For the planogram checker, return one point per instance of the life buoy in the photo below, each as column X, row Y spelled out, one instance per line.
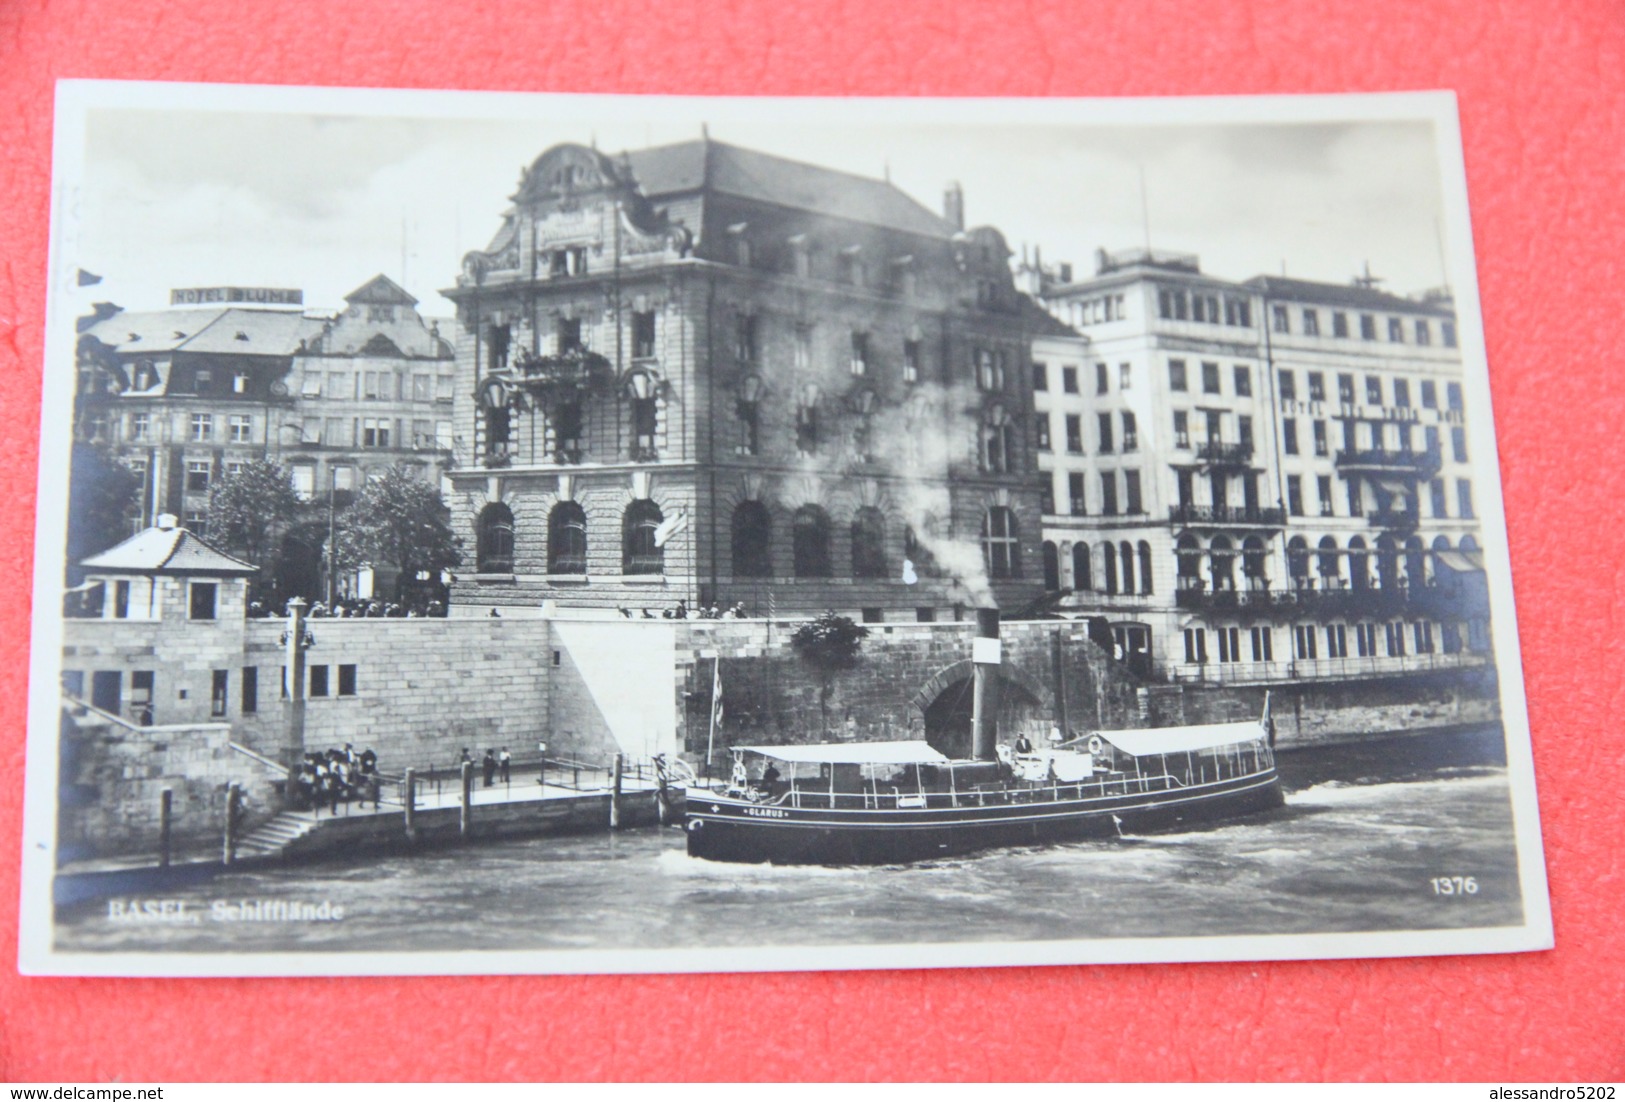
column 695, row 824
column 1096, row 744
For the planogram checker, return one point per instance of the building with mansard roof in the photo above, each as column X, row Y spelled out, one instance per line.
column 702, row 373
column 1259, row 480
column 186, row 395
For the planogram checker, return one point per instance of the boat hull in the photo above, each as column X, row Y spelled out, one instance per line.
column 727, row 829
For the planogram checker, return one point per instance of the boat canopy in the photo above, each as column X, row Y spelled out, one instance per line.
column 1179, row 740
column 854, row 753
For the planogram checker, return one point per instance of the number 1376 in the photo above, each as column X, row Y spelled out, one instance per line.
column 1454, row 885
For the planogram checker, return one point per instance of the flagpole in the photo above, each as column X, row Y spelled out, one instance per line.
column 716, row 693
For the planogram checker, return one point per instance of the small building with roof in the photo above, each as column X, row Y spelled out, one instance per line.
column 154, row 634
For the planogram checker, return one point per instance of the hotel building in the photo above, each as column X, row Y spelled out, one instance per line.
column 1259, row 480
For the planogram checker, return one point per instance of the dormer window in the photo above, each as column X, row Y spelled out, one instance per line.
column 741, row 243
column 850, row 270
column 800, row 256
column 905, row 281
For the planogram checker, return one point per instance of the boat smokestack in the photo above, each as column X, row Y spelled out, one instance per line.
column 985, row 659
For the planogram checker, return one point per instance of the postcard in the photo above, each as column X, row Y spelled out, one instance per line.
column 487, row 533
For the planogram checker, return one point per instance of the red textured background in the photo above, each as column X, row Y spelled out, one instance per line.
column 1543, row 114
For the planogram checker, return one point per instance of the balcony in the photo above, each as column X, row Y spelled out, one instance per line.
column 1331, row 669
column 1348, row 604
column 1217, row 453
column 1392, row 462
column 1401, row 519
column 567, row 375
column 1226, row 516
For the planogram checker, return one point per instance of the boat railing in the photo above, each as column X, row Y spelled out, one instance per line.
column 1243, row 764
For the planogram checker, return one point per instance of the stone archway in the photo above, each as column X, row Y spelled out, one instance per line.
column 945, row 702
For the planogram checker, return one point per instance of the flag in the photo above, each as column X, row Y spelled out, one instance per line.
column 86, row 279
column 909, row 576
column 669, row 527
column 716, row 693
column 716, row 710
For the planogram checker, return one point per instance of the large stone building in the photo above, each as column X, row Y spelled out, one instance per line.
column 1261, row 480
column 185, row 396
column 703, row 373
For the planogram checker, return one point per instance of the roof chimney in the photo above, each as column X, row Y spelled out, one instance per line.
column 953, row 205
column 167, row 521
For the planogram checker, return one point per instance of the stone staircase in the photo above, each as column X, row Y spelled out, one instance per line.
column 273, row 837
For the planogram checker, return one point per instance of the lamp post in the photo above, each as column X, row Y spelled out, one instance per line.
column 332, row 533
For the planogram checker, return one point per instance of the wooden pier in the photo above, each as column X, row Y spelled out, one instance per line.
column 412, row 814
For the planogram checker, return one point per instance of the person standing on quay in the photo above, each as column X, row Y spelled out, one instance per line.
column 489, row 766
column 505, row 762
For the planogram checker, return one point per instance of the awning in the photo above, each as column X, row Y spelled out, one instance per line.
column 1179, row 740
column 1462, row 562
column 854, row 753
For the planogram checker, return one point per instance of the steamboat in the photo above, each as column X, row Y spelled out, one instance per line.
column 891, row 802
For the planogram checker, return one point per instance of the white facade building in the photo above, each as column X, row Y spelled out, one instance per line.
column 1257, row 481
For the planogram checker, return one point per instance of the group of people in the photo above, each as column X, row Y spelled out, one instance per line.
column 680, row 611
column 358, row 608
column 495, row 762
column 338, row 775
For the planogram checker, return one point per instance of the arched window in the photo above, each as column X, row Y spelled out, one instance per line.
column 498, row 429
column 1468, row 543
column 1188, row 560
column 811, row 542
column 868, row 544
column 639, row 554
column 1387, row 562
column 1254, row 563
column 1052, row 566
column 1415, row 562
column 1222, row 563
column 1297, row 561
column 1125, row 554
column 1145, row 567
column 1329, row 566
column 752, row 541
column 1359, row 570
column 1082, row 575
column 1108, row 567
column 1441, row 543
column 567, row 539
column 494, row 540
column 916, row 552
column 1000, row 548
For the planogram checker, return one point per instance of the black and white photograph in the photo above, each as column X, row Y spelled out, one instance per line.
column 486, row 533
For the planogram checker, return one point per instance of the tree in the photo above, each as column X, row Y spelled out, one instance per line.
column 829, row 644
column 401, row 520
column 248, row 510
column 102, row 498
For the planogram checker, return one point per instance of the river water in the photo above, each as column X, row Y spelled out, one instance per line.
column 1364, row 831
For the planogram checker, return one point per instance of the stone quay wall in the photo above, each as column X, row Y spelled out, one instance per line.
column 771, row 694
column 421, row 689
